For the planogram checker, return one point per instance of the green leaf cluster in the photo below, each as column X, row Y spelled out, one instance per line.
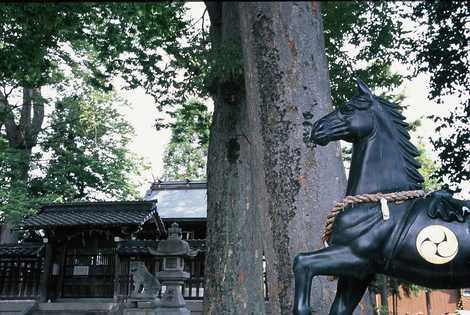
column 361, row 41
column 87, row 149
column 43, row 42
column 443, row 50
column 185, row 157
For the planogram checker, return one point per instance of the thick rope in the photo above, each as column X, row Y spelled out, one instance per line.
column 397, row 197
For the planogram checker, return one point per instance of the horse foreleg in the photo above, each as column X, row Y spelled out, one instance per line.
column 334, row 260
column 348, row 295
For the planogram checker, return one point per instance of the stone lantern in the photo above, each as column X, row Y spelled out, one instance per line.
column 173, row 251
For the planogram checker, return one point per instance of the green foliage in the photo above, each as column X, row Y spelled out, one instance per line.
column 186, row 154
column 382, row 310
column 442, row 49
column 373, row 32
column 452, row 143
column 15, row 200
column 87, row 148
column 43, row 42
column 192, row 123
column 428, row 169
column 83, row 155
column 184, row 161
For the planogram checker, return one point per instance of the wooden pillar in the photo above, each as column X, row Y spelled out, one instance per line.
column 45, row 276
column 117, row 273
column 60, row 281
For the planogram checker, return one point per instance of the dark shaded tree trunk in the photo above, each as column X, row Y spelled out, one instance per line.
column 296, row 184
column 234, row 258
column 22, row 137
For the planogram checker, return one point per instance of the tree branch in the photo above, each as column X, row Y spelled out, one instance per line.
column 8, row 120
column 38, row 117
column 25, row 118
column 215, row 12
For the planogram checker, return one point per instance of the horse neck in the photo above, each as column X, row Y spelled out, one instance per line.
column 377, row 166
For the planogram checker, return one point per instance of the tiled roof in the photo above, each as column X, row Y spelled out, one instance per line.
column 23, row 250
column 140, row 248
column 90, row 213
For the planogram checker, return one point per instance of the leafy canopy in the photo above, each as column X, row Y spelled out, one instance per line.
column 185, row 157
column 42, row 42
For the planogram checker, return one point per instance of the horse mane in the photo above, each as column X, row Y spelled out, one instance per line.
column 408, row 150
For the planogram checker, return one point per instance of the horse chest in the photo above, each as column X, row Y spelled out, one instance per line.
column 361, row 227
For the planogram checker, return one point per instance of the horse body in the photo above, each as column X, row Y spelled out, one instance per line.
column 407, row 263
column 364, row 230
column 413, row 244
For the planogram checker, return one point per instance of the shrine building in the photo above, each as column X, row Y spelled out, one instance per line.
column 82, row 251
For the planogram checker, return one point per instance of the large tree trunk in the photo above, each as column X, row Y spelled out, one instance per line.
column 22, row 136
column 234, row 258
column 287, row 86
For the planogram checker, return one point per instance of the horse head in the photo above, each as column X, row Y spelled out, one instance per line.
column 383, row 158
column 351, row 122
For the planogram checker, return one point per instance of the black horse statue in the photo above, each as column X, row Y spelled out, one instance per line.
column 425, row 240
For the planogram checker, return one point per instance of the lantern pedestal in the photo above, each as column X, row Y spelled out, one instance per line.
column 172, row 301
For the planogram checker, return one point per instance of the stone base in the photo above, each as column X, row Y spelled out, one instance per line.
column 156, row 311
column 146, row 304
column 172, row 311
column 136, row 311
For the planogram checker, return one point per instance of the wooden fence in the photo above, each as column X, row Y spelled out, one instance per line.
column 20, row 277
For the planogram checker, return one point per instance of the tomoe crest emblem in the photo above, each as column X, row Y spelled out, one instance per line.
column 437, row 244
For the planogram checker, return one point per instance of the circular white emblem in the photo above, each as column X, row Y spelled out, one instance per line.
column 437, row 244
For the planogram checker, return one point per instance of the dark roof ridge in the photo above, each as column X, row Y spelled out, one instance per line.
column 24, row 244
column 179, row 184
column 185, row 181
column 94, row 203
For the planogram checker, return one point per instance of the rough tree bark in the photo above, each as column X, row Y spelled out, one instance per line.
column 23, row 135
column 287, row 87
column 234, row 258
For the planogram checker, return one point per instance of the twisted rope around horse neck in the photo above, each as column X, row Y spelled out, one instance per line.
column 397, row 197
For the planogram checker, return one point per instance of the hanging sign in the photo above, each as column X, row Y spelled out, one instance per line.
column 80, row 270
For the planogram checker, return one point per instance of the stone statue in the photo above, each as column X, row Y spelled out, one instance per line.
column 146, row 286
column 386, row 223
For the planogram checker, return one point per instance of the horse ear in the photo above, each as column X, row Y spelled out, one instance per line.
column 363, row 88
